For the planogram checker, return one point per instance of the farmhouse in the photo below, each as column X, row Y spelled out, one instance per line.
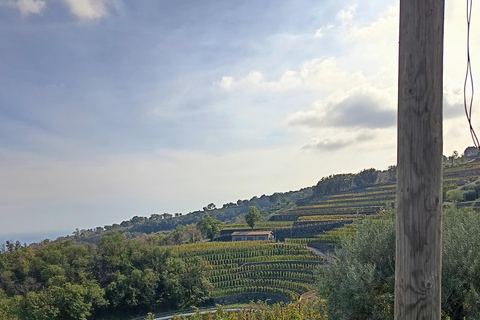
column 252, row 235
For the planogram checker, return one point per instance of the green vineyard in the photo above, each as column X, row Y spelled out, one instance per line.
column 285, row 269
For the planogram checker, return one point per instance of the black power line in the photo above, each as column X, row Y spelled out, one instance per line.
column 469, row 80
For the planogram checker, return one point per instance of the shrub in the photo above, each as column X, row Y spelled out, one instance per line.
column 470, row 195
column 454, row 195
column 359, row 283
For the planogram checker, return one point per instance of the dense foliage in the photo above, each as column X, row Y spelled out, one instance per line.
column 252, row 216
column 341, row 182
column 334, row 184
column 209, row 226
column 61, row 280
column 360, row 281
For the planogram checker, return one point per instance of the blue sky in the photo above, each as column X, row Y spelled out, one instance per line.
column 114, row 108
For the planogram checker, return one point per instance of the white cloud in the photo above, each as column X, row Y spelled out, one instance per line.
column 382, row 29
column 361, row 107
column 374, row 46
column 27, row 7
column 327, row 143
column 312, row 75
column 88, row 9
column 339, row 141
column 346, row 15
column 321, row 31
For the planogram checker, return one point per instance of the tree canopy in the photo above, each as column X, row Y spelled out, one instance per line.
column 209, row 226
column 61, row 280
column 360, row 281
column 252, row 216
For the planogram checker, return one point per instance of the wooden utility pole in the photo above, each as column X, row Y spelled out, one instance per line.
column 419, row 171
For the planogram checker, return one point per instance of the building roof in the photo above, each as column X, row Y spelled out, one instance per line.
column 252, row 233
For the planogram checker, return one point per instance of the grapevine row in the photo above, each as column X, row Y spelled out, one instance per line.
column 290, row 285
column 201, row 246
column 230, row 269
column 304, row 257
column 292, row 295
column 283, row 274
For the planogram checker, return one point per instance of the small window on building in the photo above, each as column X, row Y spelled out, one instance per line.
column 249, row 238
column 261, row 238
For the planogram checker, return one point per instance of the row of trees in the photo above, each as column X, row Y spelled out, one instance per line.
column 210, row 227
column 62, row 280
column 342, row 182
column 360, row 281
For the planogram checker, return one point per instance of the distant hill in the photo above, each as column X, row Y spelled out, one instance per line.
column 364, row 192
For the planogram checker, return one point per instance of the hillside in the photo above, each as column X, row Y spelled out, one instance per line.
column 162, row 262
column 336, row 197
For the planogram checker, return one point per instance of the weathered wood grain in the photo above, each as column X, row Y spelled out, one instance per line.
column 420, row 143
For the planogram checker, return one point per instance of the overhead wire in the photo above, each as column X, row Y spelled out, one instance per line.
column 468, row 105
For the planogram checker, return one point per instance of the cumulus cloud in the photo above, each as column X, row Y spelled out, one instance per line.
column 359, row 108
column 254, row 79
column 88, row 9
column 385, row 28
column 27, row 7
column 347, row 14
column 312, row 75
column 336, row 142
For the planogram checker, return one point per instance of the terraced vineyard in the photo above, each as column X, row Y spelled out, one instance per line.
column 260, row 225
column 343, row 207
column 285, row 269
column 325, row 214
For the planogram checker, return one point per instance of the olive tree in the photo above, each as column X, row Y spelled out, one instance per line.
column 359, row 281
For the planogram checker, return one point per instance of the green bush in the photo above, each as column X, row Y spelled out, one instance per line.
column 470, row 195
column 359, row 283
column 455, row 195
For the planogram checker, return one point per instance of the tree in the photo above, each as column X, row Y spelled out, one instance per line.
column 209, row 207
column 209, row 226
column 192, row 234
column 333, row 184
column 72, row 300
column 461, row 262
column 195, row 283
column 365, row 178
column 9, row 307
column 252, row 216
column 136, row 290
column 39, row 306
column 359, row 281
column 274, row 198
